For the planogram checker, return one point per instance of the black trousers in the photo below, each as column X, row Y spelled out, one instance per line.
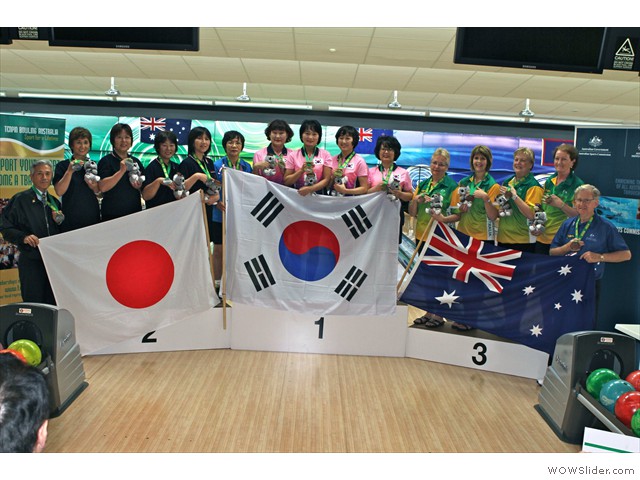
column 34, row 282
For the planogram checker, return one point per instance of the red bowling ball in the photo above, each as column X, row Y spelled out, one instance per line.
column 626, row 406
column 634, row 379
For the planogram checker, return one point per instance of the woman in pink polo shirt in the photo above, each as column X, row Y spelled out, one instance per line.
column 350, row 171
column 269, row 162
column 309, row 168
column 389, row 177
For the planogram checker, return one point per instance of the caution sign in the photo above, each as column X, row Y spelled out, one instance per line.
column 624, row 56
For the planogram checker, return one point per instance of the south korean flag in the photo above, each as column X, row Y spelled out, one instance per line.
column 311, row 254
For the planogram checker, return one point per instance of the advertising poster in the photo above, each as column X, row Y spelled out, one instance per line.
column 23, row 139
column 610, row 160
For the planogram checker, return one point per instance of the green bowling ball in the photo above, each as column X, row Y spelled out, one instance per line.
column 598, row 378
column 635, row 423
column 29, row 350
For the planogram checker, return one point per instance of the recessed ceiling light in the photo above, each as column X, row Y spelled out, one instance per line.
column 332, row 50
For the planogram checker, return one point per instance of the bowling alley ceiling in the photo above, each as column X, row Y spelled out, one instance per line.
column 345, row 67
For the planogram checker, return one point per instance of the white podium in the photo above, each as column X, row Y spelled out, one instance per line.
column 275, row 330
column 476, row 349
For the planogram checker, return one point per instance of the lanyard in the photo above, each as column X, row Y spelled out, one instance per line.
column 44, row 197
column 227, row 163
column 346, row 160
column 430, row 188
column 385, row 180
column 309, row 158
column 166, row 169
column 515, row 184
column 206, row 172
column 579, row 234
column 473, row 184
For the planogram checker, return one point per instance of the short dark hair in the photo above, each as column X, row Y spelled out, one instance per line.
column 195, row 133
column 348, row 131
column 279, row 126
column 163, row 137
column 117, row 129
column 571, row 150
column 388, row 141
column 312, row 125
column 24, row 404
column 231, row 135
column 485, row 152
column 78, row 133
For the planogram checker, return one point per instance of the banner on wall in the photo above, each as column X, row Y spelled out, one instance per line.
column 23, row 139
column 610, row 160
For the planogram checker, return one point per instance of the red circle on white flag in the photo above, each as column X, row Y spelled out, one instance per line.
column 139, row 274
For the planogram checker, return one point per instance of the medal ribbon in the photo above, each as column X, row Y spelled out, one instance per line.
column 165, row 168
column 227, row 163
column 206, row 172
column 346, row 160
column 385, row 180
column 46, row 198
column 578, row 234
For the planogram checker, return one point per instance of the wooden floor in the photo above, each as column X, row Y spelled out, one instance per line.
column 241, row 401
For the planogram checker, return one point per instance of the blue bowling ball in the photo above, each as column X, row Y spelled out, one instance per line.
column 611, row 391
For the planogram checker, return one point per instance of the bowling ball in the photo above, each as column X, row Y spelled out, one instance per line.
column 610, row 392
column 635, row 423
column 29, row 350
column 626, row 405
column 634, row 379
column 598, row 378
column 14, row 353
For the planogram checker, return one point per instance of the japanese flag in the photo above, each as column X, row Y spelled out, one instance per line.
column 126, row 277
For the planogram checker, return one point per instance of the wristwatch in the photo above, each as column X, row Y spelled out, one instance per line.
column 602, row 257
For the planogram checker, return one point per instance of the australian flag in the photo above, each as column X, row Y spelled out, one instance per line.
column 367, row 138
column 151, row 126
column 528, row 298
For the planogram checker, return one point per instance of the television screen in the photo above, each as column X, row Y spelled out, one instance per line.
column 145, row 38
column 575, row 49
column 5, row 37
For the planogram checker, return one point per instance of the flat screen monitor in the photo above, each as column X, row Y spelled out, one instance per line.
column 575, row 49
column 145, row 38
column 5, row 37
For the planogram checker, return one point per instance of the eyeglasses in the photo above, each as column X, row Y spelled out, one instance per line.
column 386, row 149
column 583, row 200
column 231, row 143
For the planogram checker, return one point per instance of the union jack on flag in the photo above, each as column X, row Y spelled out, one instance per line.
column 367, row 139
column 471, row 258
column 152, row 123
column 525, row 297
column 151, row 126
column 365, row 134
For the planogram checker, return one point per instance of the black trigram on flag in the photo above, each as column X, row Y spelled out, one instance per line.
column 267, row 210
column 356, row 221
column 350, row 284
column 260, row 273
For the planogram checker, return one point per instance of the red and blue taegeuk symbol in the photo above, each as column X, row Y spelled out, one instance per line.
column 308, row 250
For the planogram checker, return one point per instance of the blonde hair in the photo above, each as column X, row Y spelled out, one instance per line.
column 442, row 152
column 527, row 153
